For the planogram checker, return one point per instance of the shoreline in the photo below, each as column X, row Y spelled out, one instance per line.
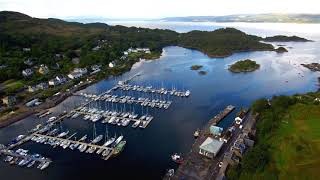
column 26, row 112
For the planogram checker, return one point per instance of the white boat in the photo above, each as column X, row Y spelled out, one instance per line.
column 97, row 139
column 118, row 140
column 86, row 117
column 136, row 124
column 125, row 122
column 51, row 119
column 109, row 141
column 63, row 134
column 187, row 93
column 45, row 165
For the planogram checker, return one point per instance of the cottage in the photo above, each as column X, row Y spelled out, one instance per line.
column 43, row 69
column 210, row 147
column 61, row 79
column 95, row 69
column 26, row 49
column 42, row 86
column 96, row 48
column 32, row 89
column 27, row 72
column 74, row 75
column 3, row 66
column 28, row 62
column 75, row 60
column 53, row 82
column 34, row 102
column 9, row 100
column 77, row 73
column 111, row 64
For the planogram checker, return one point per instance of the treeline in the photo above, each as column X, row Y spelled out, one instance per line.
column 48, row 37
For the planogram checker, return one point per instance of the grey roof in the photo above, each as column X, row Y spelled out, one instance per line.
column 211, row 145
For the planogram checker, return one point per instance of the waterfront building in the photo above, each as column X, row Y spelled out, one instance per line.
column 210, row 147
column 27, row 72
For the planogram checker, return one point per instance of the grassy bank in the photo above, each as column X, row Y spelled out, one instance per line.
column 288, row 140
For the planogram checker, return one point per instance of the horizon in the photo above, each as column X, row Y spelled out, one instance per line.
column 143, row 9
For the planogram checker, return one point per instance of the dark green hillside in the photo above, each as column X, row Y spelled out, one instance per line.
column 222, row 42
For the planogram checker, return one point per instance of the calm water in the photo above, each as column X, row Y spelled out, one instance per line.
column 147, row 154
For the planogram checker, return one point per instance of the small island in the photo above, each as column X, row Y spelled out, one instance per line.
column 280, row 38
column 203, row 72
column 196, row 67
column 312, row 66
column 281, row 50
column 244, row 66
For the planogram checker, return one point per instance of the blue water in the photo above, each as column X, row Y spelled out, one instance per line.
column 147, row 154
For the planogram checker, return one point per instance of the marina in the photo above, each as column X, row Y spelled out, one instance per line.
column 91, row 110
column 72, row 144
column 175, row 126
column 114, row 117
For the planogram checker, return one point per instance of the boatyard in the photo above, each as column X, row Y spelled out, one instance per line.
column 196, row 165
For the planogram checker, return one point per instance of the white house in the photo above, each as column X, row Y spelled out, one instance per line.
column 111, row 64
column 27, row 72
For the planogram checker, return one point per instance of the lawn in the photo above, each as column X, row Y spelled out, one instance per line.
column 12, row 85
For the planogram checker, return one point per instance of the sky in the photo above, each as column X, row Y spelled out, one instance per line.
column 148, row 9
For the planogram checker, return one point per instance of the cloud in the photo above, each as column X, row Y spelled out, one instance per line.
column 155, row 8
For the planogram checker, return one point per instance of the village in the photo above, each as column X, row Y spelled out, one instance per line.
column 61, row 85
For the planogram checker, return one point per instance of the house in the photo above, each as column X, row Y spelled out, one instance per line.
column 43, row 69
column 238, row 120
column 28, row 62
column 61, row 79
column 77, row 73
column 58, row 56
column 42, row 86
column 210, row 147
column 111, row 64
column 26, row 49
column 32, row 89
column 27, row 72
column 75, row 60
column 74, row 75
column 96, row 48
column 215, row 130
column 3, row 66
column 34, row 102
column 81, row 70
column 53, row 82
column 9, row 100
column 95, row 69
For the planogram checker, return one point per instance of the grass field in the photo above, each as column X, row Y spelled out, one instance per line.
column 296, row 144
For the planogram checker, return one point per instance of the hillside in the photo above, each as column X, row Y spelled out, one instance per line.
column 287, row 140
column 270, row 18
column 222, row 42
column 280, row 38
